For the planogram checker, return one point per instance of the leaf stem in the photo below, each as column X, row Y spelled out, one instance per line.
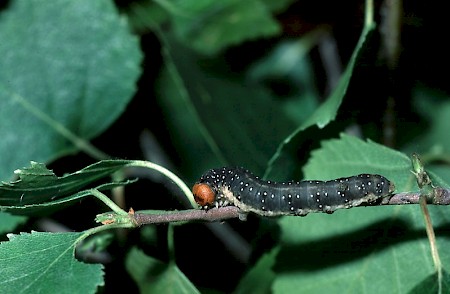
column 105, row 199
column 432, row 240
column 99, row 229
column 186, row 190
column 368, row 13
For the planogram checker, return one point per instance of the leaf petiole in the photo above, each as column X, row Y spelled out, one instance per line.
column 105, row 199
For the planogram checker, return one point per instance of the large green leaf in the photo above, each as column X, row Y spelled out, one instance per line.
column 431, row 284
column 44, row 263
column 349, row 156
column 364, row 249
column 241, row 123
column 154, row 276
column 66, row 67
column 260, row 277
column 360, row 250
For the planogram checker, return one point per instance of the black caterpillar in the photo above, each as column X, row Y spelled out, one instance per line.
column 239, row 187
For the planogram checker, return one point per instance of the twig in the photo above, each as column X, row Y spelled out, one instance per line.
column 215, row 214
column 441, row 197
column 136, row 219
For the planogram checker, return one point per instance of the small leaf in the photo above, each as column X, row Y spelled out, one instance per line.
column 37, row 184
column 44, row 263
column 37, row 209
column 154, row 276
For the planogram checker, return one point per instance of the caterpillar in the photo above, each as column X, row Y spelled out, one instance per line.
column 239, row 187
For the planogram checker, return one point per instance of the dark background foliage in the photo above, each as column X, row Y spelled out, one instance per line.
column 387, row 101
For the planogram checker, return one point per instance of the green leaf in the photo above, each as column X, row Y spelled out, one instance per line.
column 209, row 26
column 234, row 118
column 260, row 277
column 431, row 284
column 277, row 6
column 44, row 263
column 289, row 64
column 443, row 171
column 9, row 222
column 61, row 83
column 283, row 161
column 146, row 14
column 349, row 156
column 434, row 139
column 364, row 249
column 38, row 185
column 53, row 204
column 154, row 276
column 380, row 249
